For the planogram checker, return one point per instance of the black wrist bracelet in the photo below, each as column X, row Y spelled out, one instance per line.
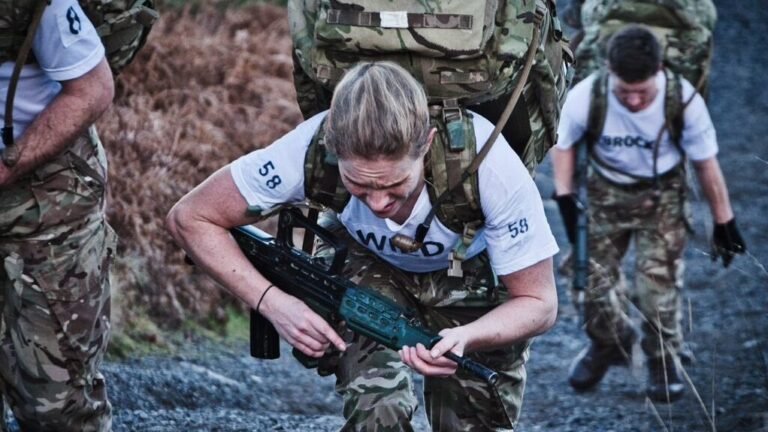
column 262, row 296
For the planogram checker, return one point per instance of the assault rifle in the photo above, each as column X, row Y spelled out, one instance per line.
column 319, row 284
column 580, row 247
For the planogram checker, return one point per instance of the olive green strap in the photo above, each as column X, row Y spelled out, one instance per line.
column 421, row 231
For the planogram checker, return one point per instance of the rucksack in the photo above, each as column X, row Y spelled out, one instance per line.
column 468, row 53
column 465, row 54
column 122, row 25
column 683, row 27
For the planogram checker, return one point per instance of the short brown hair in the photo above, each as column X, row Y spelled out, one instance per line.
column 378, row 110
column 634, row 54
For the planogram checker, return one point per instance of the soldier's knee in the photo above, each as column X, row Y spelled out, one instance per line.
column 97, row 418
column 381, row 409
column 386, row 415
column 78, row 409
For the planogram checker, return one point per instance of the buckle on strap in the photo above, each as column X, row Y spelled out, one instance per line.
column 451, row 111
column 459, row 253
column 453, row 118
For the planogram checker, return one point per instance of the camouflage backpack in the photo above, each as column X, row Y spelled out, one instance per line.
column 465, row 54
column 683, row 27
column 122, row 25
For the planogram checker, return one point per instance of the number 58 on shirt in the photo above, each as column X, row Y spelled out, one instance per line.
column 518, row 227
column 264, row 171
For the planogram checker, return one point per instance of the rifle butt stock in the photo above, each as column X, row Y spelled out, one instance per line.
column 265, row 342
column 581, row 245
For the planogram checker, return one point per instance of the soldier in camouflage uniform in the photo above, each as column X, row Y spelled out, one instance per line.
column 636, row 189
column 378, row 127
column 55, row 244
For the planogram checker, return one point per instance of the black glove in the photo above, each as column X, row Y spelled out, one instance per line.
column 727, row 242
column 569, row 212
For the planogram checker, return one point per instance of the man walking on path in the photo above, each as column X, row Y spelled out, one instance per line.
column 636, row 188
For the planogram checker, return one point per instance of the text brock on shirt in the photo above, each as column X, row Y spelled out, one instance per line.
column 626, row 141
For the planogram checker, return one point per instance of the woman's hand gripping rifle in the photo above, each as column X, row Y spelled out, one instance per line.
column 319, row 284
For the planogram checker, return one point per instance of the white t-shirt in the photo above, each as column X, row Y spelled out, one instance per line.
column 516, row 232
column 66, row 46
column 627, row 139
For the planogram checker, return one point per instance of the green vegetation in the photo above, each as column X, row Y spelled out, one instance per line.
column 209, row 86
column 144, row 337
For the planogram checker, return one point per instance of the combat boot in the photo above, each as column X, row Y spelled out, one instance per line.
column 590, row 366
column 665, row 384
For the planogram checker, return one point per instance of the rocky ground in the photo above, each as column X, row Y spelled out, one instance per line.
column 217, row 387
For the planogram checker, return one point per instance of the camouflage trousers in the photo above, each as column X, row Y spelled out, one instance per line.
column 378, row 389
column 619, row 214
column 56, row 249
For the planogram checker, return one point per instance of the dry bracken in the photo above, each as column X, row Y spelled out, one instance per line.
column 209, row 86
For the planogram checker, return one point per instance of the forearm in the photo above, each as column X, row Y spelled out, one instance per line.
column 215, row 252
column 564, row 164
column 530, row 311
column 516, row 320
column 715, row 190
column 200, row 223
column 81, row 102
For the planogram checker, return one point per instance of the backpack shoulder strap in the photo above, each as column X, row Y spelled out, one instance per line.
column 322, row 182
column 445, row 165
column 598, row 108
column 674, row 107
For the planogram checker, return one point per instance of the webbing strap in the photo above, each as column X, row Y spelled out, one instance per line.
column 453, row 77
column 399, row 19
column 421, row 231
column 598, row 108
